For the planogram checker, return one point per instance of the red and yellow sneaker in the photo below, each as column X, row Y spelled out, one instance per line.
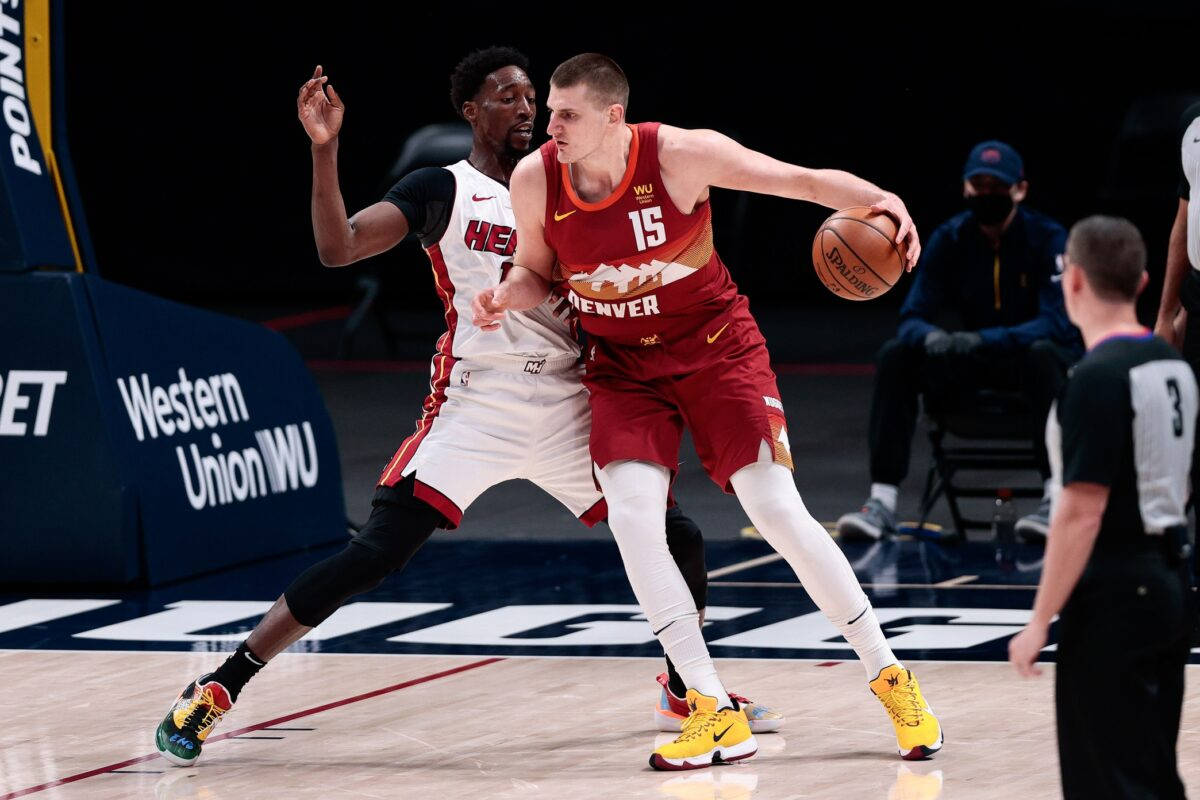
column 671, row 710
column 191, row 719
column 709, row 736
column 918, row 731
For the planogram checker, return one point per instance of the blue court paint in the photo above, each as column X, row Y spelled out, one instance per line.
column 561, row 599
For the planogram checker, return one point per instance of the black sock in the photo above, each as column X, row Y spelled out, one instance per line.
column 237, row 670
column 674, row 682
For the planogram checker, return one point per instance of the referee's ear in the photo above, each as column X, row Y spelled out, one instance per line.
column 1145, row 279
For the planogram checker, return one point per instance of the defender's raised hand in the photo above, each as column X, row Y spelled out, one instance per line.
column 319, row 108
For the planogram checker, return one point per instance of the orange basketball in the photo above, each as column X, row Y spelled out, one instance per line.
column 855, row 254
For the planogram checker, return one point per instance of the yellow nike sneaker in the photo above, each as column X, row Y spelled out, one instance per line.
column 671, row 710
column 708, row 736
column 918, row 731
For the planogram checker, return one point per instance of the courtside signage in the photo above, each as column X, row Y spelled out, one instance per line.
column 282, row 458
column 133, row 429
column 16, row 397
column 33, row 232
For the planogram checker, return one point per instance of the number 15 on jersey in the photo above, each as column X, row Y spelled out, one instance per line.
column 648, row 227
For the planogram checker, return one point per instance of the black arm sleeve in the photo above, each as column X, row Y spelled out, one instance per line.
column 1097, row 420
column 1192, row 112
column 426, row 198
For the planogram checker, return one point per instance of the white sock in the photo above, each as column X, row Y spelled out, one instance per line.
column 1046, row 488
column 636, row 492
column 866, row 637
column 768, row 495
column 885, row 493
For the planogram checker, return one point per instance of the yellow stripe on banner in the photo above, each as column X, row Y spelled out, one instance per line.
column 37, row 66
column 38, row 85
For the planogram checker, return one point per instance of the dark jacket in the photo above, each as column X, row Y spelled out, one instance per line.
column 1011, row 297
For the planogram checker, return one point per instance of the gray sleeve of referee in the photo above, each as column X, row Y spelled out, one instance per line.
column 1164, row 398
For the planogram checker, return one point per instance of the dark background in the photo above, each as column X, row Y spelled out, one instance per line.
column 195, row 171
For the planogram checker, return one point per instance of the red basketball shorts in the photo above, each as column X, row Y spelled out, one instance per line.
column 716, row 380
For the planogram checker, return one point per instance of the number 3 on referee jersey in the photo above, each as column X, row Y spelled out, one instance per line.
column 648, row 227
column 1176, row 400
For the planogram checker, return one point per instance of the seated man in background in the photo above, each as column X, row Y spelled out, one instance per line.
column 997, row 265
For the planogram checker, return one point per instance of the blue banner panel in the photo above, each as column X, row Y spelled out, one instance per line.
column 221, row 429
column 143, row 438
column 33, row 232
column 64, row 514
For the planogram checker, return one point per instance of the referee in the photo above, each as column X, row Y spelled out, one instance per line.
column 1120, row 441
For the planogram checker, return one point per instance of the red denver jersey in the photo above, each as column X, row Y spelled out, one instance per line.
column 638, row 270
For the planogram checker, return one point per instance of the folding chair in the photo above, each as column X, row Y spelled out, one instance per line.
column 989, row 433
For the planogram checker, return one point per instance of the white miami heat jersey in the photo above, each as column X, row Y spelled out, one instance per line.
column 472, row 255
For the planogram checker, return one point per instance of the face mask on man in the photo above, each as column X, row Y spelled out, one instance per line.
column 990, row 209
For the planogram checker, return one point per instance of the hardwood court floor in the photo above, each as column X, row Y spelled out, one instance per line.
column 512, row 728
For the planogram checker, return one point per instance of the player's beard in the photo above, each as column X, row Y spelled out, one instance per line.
column 515, row 153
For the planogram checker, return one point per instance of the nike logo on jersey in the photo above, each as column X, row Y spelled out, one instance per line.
column 560, row 217
column 479, row 199
column 713, row 338
column 717, row 738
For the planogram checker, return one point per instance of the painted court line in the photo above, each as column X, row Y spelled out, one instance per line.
column 961, row 579
column 256, row 727
column 795, row 585
column 741, row 565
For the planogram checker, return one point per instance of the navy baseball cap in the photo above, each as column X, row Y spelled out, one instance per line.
column 995, row 158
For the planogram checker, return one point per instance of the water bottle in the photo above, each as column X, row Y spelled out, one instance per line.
column 1004, row 522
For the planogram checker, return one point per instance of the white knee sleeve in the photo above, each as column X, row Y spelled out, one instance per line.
column 768, row 495
column 636, row 492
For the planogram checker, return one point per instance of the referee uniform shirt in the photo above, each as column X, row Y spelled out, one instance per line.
column 1126, row 419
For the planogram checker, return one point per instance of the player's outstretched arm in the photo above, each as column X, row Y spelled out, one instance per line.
column 528, row 281
column 702, row 158
column 340, row 241
column 1170, row 307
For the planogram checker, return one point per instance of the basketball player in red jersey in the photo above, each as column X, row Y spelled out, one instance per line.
column 615, row 217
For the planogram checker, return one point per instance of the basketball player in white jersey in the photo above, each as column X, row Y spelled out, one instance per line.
column 503, row 405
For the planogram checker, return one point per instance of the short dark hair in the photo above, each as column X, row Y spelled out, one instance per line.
column 468, row 77
column 599, row 73
column 1112, row 255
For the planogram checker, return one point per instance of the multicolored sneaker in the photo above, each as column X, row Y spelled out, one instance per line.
column 918, row 731
column 189, row 722
column 709, row 736
column 670, row 711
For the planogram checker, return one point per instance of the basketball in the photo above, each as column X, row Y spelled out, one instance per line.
column 855, row 254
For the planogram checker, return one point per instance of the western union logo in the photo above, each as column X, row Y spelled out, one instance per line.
column 645, row 188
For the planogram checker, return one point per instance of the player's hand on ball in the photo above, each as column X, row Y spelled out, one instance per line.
column 1023, row 649
column 489, row 307
column 906, row 235
column 320, row 114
